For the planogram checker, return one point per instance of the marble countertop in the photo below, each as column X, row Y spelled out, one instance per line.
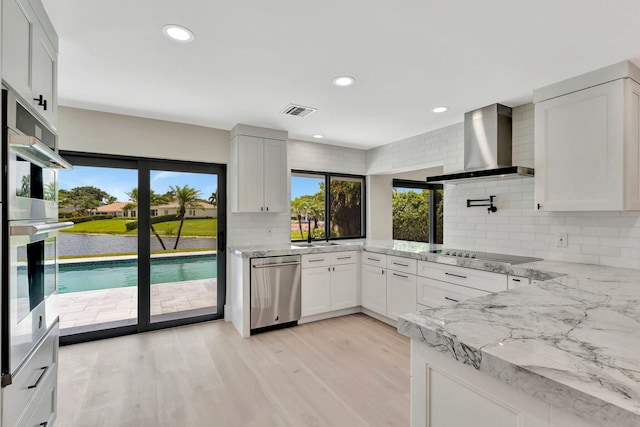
column 572, row 341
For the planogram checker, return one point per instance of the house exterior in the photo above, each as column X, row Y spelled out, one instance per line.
column 206, row 210
column 115, row 209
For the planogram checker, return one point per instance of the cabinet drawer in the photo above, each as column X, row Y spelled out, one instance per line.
column 372, row 258
column 434, row 293
column 338, row 258
column 41, row 365
column 478, row 279
column 517, row 281
column 315, row 260
column 406, row 265
column 42, row 410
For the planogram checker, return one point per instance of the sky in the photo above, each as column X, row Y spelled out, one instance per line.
column 117, row 182
column 304, row 186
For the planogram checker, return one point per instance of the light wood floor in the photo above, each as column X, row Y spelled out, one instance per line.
column 347, row 371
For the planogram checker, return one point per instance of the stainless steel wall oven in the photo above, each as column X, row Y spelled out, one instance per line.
column 29, row 229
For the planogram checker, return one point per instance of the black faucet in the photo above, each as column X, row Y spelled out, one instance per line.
column 311, row 218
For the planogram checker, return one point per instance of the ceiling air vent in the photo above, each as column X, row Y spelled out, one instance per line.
column 298, row 110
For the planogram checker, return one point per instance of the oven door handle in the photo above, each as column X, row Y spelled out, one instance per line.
column 37, row 152
column 33, row 229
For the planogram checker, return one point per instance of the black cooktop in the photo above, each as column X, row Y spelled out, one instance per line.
column 486, row 256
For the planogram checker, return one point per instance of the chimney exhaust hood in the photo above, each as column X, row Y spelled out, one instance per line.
column 487, row 148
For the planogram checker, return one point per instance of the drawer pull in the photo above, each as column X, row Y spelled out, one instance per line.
column 403, row 265
column 373, row 259
column 344, row 257
column 44, row 424
column 451, row 299
column 516, row 280
column 44, row 371
column 401, row 275
column 455, row 275
column 316, row 260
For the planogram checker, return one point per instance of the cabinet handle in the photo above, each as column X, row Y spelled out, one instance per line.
column 455, row 275
column 40, row 100
column 516, row 280
column 334, row 269
column 261, row 208
column 539, row 206
column 451, row 299
column 344, row 257
column 403, row 265
column 373, row 259
column 401, row 275
column 44, row 424
column 328, row 268
column 44, row 371
column 316, row 260
column 44, row 105
column 267, row 208
column 382, row 271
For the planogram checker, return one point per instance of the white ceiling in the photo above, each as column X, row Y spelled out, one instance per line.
column 251, row 58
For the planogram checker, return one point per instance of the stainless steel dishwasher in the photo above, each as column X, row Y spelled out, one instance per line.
column 275, row 291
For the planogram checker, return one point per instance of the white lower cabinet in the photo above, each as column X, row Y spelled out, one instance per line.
column 316, row 290
column 333, row 285
column 374, row 288
column 447, row 393
column 401, row 294
column 434, row 293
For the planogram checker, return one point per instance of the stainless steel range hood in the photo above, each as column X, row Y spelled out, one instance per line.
column 487, row 148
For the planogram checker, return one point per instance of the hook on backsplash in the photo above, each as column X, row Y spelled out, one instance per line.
column 471, row 203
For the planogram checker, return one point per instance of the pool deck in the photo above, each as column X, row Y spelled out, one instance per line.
column 79, row 311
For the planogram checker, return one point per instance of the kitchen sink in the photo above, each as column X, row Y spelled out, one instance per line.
column 314, row 244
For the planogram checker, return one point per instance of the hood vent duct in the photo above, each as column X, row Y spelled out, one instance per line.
column 487, row 148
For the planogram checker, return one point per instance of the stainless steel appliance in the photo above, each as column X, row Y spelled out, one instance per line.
column 487, row 148
column 275, row 291
column 29, row 230
column 486, row 256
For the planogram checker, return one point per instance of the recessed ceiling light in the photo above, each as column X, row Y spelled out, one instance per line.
column 178, row 33
column 343, row 81
column 440, row 109
column 318, row 136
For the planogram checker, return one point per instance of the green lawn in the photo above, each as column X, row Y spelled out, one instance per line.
column 191, row 227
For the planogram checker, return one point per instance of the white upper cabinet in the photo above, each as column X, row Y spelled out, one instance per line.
column 258, row 170
column 586, row 142
column 30, row 55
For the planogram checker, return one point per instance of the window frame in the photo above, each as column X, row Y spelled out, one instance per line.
column 419, row 185
column 327, row 197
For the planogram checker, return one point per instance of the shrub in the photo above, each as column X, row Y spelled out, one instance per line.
column 81, row 219
column 155, row 220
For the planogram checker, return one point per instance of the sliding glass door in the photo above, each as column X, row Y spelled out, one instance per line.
column 157, row 245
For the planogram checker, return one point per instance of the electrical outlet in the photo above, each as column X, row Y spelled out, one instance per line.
column 561, row 239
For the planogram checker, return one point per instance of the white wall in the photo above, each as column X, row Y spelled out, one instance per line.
column 606, row 238
column 107, row 133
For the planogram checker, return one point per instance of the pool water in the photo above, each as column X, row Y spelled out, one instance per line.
column 78, row 277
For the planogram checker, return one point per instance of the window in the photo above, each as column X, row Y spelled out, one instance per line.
column 316, row 196
column 417, row 211
column 154, row 212
column 166, row 212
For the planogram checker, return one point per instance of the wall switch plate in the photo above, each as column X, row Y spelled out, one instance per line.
column 561, row 240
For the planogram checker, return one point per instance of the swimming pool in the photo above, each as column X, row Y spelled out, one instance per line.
column 91, row 276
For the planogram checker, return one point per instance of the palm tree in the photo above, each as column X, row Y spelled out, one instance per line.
column 154, row 199
column 187, row 198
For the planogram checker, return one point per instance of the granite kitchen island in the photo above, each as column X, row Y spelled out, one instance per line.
column 560, row 352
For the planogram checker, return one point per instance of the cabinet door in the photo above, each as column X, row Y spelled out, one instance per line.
column 344, row 286
column 316, row 290
column 401, row 294
column 45, row 69
column 17, row 34
column 632, row 148
column 374, row 289
column 579, row 150
column 434, row 293
column 275, row 175
column 250, row 160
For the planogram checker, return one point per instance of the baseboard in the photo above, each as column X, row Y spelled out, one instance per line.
column 379, row 317
column 329, row 315
column 227, row 313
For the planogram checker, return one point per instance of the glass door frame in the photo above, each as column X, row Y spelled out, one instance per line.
column 144, row 166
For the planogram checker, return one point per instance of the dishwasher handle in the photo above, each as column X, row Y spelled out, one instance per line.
column 276, row 265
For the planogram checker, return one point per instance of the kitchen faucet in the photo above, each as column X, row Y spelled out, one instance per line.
column 311, row 218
